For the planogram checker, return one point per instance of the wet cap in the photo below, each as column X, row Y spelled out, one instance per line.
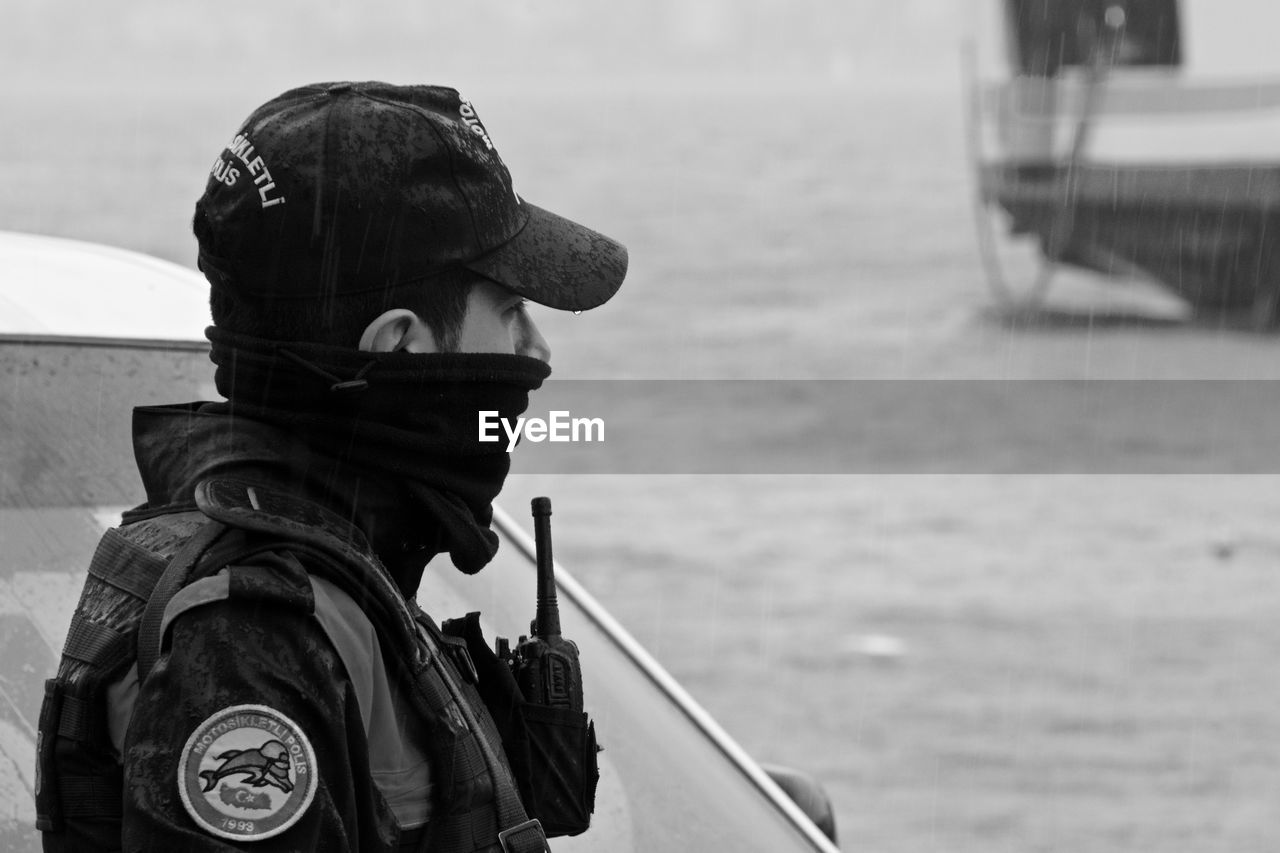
column 336, row 189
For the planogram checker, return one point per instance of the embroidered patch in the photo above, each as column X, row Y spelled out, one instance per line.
column 246, row 773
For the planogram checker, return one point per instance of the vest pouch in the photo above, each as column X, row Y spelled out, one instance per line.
column 551, row 751
column 48, row 814
column 553, row 758
column 79, row 795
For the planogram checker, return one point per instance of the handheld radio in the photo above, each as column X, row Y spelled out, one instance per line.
column 545, row 664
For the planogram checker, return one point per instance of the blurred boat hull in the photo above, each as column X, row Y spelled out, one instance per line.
column 1208, row 233
column 1127, row 156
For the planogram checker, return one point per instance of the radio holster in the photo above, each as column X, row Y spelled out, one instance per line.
column 552, row 750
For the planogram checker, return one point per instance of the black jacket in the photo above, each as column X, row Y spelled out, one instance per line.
column 282, row 714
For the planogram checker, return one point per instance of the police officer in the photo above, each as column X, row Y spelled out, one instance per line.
column 247, row 667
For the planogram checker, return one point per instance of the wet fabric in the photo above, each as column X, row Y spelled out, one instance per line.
column 221, row 651
column 357, row 187
column 258, row 643
column 226, row 655
column 408, row 418
column 179, row 445
column 187, row 455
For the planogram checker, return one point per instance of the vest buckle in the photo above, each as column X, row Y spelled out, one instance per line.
column 526, row 837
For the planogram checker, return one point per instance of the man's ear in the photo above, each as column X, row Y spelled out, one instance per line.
column 397, row 329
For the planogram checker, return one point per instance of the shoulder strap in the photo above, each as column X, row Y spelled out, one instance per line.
column 174, row 578
column 521, row 834
column 313, row 530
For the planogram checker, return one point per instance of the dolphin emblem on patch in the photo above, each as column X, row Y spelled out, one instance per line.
column 246, row 773
column 266, row 765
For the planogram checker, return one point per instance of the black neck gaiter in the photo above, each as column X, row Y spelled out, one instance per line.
column 411, row 418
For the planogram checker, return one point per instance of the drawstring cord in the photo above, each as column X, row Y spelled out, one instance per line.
column 339, row 385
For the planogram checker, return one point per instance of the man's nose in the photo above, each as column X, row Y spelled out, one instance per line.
column 531, row 342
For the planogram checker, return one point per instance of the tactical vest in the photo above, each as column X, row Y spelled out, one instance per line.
column 146, row 572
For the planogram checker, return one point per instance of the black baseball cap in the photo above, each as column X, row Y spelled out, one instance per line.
column 343, row 188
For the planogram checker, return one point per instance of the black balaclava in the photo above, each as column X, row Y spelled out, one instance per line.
column 411, row 418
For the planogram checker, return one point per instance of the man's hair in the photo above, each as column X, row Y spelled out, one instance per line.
column 340, row 321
